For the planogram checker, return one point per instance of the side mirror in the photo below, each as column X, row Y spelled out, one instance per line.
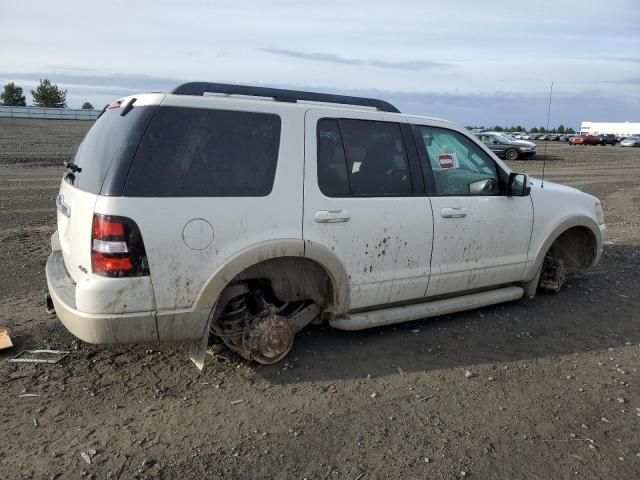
column 519, row 185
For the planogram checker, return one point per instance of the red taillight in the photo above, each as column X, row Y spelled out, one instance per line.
column 104, row 229
column 117, row 249
column 115, row 105
column 103, row 264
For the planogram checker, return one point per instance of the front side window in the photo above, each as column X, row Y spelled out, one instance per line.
column 459, row 166
column 197, row 152
column 362, row 158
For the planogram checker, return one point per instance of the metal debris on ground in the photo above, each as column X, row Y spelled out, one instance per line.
column 39, row 356
column 5, row 339
column 425, row 398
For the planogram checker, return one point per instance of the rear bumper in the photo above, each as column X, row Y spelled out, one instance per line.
column 114, row 328
column 139, row 327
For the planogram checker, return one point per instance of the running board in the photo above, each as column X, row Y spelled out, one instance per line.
column 389, row 316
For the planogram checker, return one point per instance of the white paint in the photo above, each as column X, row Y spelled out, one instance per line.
column 623, row 129
column 385, row 246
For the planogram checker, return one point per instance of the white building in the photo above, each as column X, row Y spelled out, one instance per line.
column 621, row 129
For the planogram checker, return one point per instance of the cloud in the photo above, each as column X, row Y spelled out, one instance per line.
column 624, row 81
column 617, row 59
column 115, row 83
column 466, row 108
column 332, row 58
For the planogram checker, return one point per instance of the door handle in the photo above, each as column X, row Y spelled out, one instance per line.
column 453, row 212
column 331, row 216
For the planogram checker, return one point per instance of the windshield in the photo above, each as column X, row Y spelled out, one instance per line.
column 505, row 138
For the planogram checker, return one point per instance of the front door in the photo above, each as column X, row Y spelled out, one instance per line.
column 481, row 236
column 364, row 202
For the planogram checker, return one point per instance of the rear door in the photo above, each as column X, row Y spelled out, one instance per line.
column 364, row 203
column 481, row 236
column 106, row 151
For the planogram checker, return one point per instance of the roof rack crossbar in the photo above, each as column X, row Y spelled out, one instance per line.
column 281, row 95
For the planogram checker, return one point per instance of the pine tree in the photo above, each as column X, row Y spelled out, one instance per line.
column 48, row 95
column 12, row 96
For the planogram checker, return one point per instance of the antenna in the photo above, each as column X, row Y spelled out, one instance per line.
column 544, row 157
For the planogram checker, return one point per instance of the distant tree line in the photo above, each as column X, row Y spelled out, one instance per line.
column 519, row 128
column 46, row 95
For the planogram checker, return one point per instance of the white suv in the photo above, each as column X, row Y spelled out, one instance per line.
column 252, row 212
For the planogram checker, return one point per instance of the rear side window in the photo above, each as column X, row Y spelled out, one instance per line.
column 190, row 152
column 362, row 158
column 112, row 139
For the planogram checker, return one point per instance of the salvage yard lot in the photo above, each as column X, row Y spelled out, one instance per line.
column 552, row 391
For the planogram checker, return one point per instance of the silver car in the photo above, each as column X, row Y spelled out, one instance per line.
column 631, row 142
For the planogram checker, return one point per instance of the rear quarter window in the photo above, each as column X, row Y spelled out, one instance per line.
column 192, row 152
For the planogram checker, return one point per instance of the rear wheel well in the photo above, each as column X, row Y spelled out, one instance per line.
column 576, row 247
column 291, row 279
column 259, row 312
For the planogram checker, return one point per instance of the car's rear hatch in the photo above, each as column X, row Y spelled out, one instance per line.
column 100, row 167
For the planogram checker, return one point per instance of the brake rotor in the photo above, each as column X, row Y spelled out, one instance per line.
column 269, row 339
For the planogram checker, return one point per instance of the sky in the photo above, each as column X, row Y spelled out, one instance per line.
column 471, row 62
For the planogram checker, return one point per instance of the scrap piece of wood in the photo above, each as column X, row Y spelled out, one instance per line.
column 5, row 340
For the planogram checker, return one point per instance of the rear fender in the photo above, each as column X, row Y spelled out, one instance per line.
column 271, row 250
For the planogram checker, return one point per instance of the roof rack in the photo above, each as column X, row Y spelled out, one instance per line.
column 281, row 95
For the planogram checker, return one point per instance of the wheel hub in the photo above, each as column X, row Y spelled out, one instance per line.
column 269, row 339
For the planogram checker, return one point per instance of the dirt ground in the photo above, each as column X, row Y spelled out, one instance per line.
column 553, row 393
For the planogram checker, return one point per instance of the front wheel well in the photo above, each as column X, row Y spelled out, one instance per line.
column 577, row 247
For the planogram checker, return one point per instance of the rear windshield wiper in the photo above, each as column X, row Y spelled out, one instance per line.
column 72, row 167
column 128, row 107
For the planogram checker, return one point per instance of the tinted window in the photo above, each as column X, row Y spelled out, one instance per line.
column 112, row 139
column 332, row 163
column 459, row 166
column 189, row 152
column 376, row 160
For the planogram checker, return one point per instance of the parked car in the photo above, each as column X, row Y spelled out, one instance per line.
column 631, row 142
column 607, row 139
column 507, row 148
column 513, row 139
column 584, row 140
column 253, row 214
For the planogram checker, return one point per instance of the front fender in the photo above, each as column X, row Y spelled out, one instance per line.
column 537, row 255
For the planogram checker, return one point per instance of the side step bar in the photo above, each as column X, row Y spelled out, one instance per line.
column 389, row 316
